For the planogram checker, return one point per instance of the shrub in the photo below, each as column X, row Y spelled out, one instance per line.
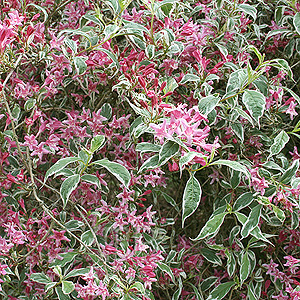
column 149, row 149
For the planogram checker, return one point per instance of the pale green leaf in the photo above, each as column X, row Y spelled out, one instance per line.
column 279, row 142
column 67, row 287
column 167, row 151
column 191, row 198
column 97, row 143
column 255, row 103
column 93, row 179
column 68, row 186
column 233, row 165
column 119, row 171
column 77, row 272
column 167, row 269
column 80, row 64
column 40, row 278
column 150, row 163
column 207, row 104
column 189, row 77
column 296, row 22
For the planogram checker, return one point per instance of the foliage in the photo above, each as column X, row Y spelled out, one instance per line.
column 149, row 149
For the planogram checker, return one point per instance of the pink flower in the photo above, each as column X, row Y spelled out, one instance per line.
column 59, row 236
column 130, row 273
column 2, row 269
column 162, row 131
column 291, row 110
column 15, row 19
column 40, row 150
column 30, row 141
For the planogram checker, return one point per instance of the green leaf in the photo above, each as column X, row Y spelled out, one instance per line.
column 170, row 200
column 187, row 157
column 71, row 44
column 191, row 198
column 189, row 77
column 114, row 4
column 73, row 225
column 150, row 163
column 67, row 287
column 245, row 267
column 207, row 104
column 235, row 179
column 66, row 258
column 244, row 115
column 251, row 295
column 296, row 22
column 138, row 286
column 211, row 227
column 243, row 201
column 145, row 147
column 97, row 143
column 208, row 283
column 16, row 111
column 59, row 165
column 110, row 54
column 167, row 269
column 295, row 220
column 289, row 173
column 134, row 27
column 150, row 51
column 119, row 171
column 49, row 286
column 167, row 151
column 57, row 270
column 282, row 64
column 248, row 9
column 221, row 291
column 77, row 272
column 80, row 64
column 40, row 278
column 252, row 221
column 211, row 256
column 258, row 54
column 87, row 238
column 60, row 294
column 164, row 2
column 293, row 94
column 171, row 84
column 236, row 80
column 233, row 165
column 41, row 9
column 238, row 129
column 255, row 103
column 93, row 18
column 256, row 232
column 231, row 264
column 279, row 142
column 93, row 179
column 106, row 111
column 279, row 213
column 68, row 186
column 29, row 104
column 196, row 292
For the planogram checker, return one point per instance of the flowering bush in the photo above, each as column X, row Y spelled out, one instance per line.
column 149, row 149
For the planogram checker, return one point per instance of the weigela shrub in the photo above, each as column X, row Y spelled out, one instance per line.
column 149, row 149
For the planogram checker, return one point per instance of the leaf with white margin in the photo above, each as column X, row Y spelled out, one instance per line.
column 191, row 198
column 255, row 103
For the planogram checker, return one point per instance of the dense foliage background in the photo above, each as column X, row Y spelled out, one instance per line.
column 148, row 149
